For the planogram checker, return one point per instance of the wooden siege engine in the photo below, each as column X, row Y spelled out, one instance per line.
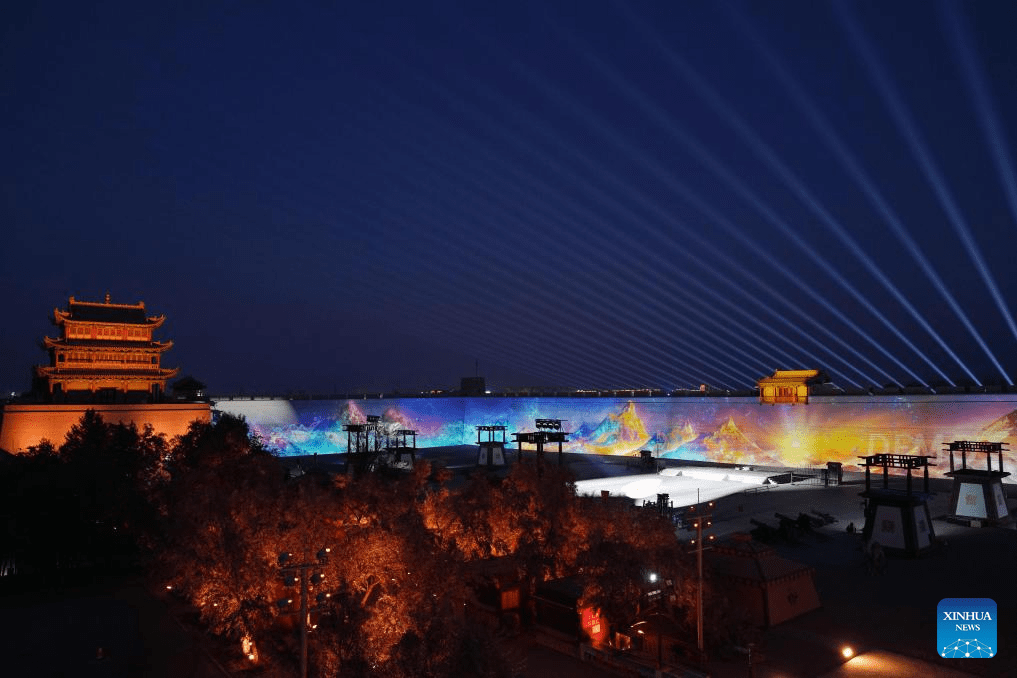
column 491, row 451
column 898, row 520
column 977, row 496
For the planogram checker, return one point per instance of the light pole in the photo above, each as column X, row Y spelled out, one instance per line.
column 701, row 521
column 297, row 573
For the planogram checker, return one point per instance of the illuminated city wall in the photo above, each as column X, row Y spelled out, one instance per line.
column 733, row 430
column 24, row 426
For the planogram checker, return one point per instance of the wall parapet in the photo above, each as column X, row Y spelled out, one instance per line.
column 23, row 426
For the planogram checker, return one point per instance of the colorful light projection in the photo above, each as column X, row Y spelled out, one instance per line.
column 731, row 430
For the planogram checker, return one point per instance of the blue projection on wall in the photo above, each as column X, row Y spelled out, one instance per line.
column 734, row 430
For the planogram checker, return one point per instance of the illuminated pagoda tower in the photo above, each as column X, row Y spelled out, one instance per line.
column 106, row 352
column 789, row 386
column 977, row 496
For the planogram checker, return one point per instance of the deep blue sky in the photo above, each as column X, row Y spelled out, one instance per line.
column 377, row 195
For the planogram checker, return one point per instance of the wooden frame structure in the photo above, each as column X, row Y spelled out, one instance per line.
column 491, row 452
column 898, row 520
column 548, row 431
column 977, row 496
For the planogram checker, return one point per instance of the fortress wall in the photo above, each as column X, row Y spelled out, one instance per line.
column 23, row 426
column 733, row 430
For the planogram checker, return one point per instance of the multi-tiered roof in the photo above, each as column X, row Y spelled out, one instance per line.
column 106, row 351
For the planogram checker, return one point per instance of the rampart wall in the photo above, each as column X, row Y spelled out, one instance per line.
column 733, row 429
column 23, row 426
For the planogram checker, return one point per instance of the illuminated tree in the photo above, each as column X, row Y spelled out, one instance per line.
column 469, row 521
column 398, row 609
column 629, row 553
column 541, row 516
column 395, row 582
column 394, row 589
column 224, row 519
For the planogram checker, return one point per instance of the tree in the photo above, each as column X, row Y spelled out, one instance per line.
column 626, row 548
column 40, row 526
column 538, row 507
column 118, row 474
column 213, row 444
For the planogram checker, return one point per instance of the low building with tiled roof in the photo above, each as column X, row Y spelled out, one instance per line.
column 789, row 386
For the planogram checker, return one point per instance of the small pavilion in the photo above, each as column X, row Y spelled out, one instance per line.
column 491, row 444
column 977, row 496
column 402, row 443
column 898, row 520
column 363, row 442
column 548, row 431
column 788, row 386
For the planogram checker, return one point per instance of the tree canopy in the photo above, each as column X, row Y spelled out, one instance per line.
column 209, row 513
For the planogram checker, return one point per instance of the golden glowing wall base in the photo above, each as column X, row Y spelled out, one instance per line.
column 26, row 425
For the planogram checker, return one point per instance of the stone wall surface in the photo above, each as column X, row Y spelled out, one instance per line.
column 735, row 430
column 23, row 426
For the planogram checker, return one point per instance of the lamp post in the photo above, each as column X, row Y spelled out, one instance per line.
column 297, row 573
column 701, row 521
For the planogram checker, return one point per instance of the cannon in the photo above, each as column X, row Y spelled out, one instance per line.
column 809, row 524
column 813, row 521
column 827, row 518
column 763, row 532
column 804, row 524
column 789, row 528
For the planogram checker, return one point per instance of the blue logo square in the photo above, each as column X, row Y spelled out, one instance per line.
column 966, row 628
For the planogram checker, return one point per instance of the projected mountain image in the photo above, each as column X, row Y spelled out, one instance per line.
column 349, row 413
column 622, row 433
column 727, row 444
column 323, row 431
column 666, row 443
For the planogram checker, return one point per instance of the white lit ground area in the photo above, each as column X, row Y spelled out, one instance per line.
column 683, row 485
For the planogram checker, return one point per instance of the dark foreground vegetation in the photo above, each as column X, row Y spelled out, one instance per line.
column 393, row 561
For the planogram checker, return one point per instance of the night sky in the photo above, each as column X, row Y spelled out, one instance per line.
column 345, row 196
